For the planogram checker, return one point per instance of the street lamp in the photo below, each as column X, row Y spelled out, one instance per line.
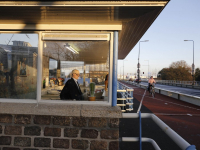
column 123, row 68
column 148, row 68
column 138, row 66
column 120, row 71
column 193, row 67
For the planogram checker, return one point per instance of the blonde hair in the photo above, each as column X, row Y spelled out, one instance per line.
column 73, row 71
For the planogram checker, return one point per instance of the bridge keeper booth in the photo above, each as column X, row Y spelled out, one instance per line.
column 41, row 42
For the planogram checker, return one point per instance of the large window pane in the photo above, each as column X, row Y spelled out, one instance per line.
column 18, row 66
column 90, row 58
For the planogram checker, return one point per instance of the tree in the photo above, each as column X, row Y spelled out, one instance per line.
column 163, row 73
column 179, row 70
column 197, row 74
column 180, row 64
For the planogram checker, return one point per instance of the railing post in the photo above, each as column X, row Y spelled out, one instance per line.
column 140, row 127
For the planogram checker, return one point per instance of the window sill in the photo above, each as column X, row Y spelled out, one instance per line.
column 76, row 110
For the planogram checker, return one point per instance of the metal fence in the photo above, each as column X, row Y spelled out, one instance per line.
column 181, row 96
column 125, row 101
column 183, row 144
column 177, row 82
column 187, row 84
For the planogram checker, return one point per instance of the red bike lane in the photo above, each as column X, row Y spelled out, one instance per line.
column 182, row 117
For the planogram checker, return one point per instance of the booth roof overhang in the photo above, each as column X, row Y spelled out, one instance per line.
column 131, row 18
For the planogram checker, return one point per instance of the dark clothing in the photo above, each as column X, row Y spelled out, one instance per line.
column 150, row 85
column 106, row 77
column 71, row 91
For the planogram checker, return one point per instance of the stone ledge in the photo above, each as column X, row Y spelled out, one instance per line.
column 74, row 110
column 101, row 111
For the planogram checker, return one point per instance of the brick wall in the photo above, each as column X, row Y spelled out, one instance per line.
column 35, row 132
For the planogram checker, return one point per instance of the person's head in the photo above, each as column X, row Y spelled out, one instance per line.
column 75, row 74
column 151, row 77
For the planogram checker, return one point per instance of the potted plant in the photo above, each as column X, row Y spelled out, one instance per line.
column 92, row 91
column 60, row 81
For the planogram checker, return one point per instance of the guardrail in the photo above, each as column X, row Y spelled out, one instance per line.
column 126, row 101
column 178, row 82
column 184, row 145
column 181, row 96
column 187, row 84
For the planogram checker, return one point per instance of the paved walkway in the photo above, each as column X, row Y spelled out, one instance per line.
column 182, row 117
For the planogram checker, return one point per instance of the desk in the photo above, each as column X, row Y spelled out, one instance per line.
column 53, row 93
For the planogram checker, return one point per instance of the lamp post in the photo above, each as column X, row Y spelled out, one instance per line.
column 138, row 66
column 148, row 68
column 193, row 67
column 120, row 72
column 123, row 68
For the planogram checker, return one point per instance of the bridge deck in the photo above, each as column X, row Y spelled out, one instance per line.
column 182, row 117
column 184, row 90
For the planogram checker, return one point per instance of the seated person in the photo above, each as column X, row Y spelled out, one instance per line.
column 72, row 89
column 150, row 83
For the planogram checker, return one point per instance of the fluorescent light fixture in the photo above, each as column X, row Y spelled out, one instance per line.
column 71, row 49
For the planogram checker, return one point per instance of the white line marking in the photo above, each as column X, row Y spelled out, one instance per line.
column 177, row 114
column 172, row 103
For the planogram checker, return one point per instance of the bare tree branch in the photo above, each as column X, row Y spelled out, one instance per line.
column 10, row 39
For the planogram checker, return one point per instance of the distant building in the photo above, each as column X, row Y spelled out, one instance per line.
column 19, row 51
column 21, row 43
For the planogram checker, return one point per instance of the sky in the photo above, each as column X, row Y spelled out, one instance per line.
column 179, row 21
column 8, row 38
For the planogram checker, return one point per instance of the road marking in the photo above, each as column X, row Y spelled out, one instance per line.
column 163, row 114
column 171, row 102
column 176, row 104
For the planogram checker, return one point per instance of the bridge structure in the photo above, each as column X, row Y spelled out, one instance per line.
column 180, row 116
column 112, row 29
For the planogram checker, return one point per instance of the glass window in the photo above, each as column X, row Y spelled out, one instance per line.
column 90, row 62
column 18, row 66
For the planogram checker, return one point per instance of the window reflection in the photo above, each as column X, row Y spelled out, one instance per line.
column 90, row 58
column 18, row 61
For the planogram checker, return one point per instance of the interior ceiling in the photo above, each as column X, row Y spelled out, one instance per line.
column 90, row 52
column 135, row 20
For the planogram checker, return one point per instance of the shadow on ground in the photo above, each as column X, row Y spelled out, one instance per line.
column 130, row 128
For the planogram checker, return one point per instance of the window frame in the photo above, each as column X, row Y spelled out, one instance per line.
column 38, row 99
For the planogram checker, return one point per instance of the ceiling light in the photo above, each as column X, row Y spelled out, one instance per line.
column 71, row 49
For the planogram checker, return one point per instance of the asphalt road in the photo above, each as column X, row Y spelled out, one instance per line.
column 188, row 91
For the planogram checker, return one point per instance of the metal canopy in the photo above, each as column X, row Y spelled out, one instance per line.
column 135, row 17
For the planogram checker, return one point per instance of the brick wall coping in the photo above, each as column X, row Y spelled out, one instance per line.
column 61, row 110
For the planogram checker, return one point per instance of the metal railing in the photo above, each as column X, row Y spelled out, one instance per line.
column 177, row 95
column 126, row 101
column 177, row 82
column 188, row 84
column 184, row 145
